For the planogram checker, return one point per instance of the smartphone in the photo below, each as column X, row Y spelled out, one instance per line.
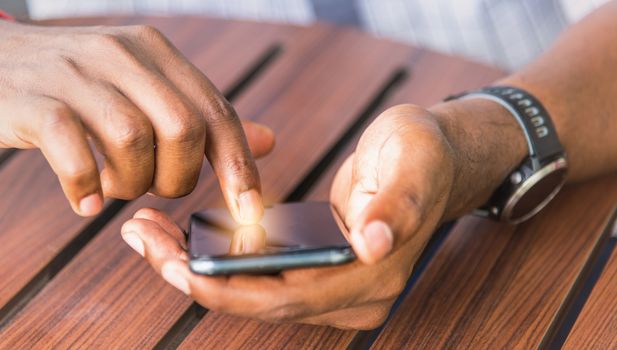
column 290, row 235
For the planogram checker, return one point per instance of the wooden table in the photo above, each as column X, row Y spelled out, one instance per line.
column 68, row 282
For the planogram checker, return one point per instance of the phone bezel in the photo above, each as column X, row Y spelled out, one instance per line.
column 270, row 262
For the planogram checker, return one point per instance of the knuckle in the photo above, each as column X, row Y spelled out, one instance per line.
column 55, row 118
column 106, row 41
column 112, row 44
column 76, row 173
column 146, row 32
column 402, row 110
column 240, row 167
column 218, row 111
column 130, row 134
column 189, row 129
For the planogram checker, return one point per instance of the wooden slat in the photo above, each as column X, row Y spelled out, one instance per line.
column 210, row 43
column 494, row 286
column 432, row 76
column 31, row 233
column 596, row 326
column 36, row 222
column 108, row 296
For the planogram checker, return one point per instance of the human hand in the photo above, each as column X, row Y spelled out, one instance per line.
column 397, row 183
column 147, row 109
column 392, row 191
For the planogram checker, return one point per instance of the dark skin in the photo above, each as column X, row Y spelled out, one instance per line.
column 413, row 168
column 146, row 108
column 455, row 155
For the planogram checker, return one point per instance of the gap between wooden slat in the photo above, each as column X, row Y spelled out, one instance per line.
column 365, row 339
column 575, row 301
column 5, row 155
column 31, row 289
column 64, row 256
column 191, row 317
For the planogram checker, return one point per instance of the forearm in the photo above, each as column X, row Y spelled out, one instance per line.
column 575, row 80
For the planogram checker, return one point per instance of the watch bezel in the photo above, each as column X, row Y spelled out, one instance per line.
column 557, row 164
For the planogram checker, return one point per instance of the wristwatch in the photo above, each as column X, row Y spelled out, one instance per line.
column 532, row 185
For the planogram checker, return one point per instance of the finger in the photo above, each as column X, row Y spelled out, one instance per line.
column 265, row 297
column 152, row 241
column 243, row 295
column 226, row 145
column 390, row 186
column 259, row 138
column 166, row 223
column 122, row 133
column 341, row 187
column 164, row 252
column 53, row 127
column 179, row 129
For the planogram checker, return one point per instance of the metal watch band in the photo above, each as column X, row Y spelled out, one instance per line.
column 533, row 118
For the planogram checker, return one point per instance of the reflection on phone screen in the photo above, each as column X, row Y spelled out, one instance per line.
column 284, row 228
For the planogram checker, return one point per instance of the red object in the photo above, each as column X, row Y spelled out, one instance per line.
column 4, row 15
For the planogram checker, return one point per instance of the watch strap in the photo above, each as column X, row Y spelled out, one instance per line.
column 531, row 115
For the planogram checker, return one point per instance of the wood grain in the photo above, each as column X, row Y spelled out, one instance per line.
column 596, row 326
column 494, row 286
column 35, row 225
column 443, row 75
column 108, row 297
column 431, row 77
column 211, row 44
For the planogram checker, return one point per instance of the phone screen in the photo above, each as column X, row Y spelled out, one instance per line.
column 285, row 228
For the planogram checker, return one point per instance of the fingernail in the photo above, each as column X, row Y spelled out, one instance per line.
column 250, row 207
column 173, row 276
column 359, row 244
column 378, row 238
column 264, row 129
column 133, row 240
column 90, row 205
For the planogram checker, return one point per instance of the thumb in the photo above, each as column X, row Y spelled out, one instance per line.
column 392, row 187
column 386, row 221
column 402, row 177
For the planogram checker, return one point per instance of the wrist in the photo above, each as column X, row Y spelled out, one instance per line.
column 488, row 144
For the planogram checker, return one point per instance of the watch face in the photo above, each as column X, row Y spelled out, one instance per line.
column 536, row 192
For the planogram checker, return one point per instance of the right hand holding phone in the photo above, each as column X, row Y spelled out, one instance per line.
column 391, row 192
